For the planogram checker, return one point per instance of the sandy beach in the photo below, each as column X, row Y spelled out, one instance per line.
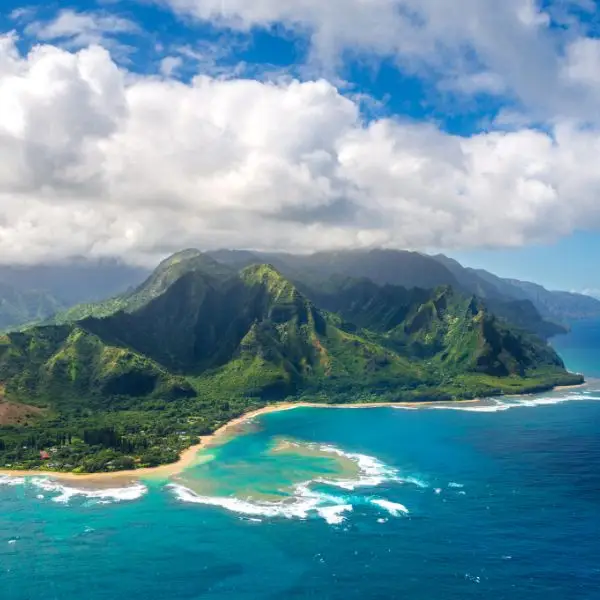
column 189, row 456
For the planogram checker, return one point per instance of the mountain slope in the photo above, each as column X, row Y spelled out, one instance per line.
column 408, row 269
column 458, row 331
column 553, row 305
column 166, row 274
column 400, row 268
column 137, row 378
column 24, row 306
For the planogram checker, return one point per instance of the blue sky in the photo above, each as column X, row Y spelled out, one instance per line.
column 567, row 264
column 133, row 128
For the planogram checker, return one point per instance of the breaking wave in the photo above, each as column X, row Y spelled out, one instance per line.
column 502, row 404
column 62, row 493
column 394, row 508
column 372, row 472
column 304, row 501
column 11, row 481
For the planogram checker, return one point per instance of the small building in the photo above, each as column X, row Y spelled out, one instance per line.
column 44, row 455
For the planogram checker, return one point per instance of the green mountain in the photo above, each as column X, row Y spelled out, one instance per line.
column 408, row 269
column 551, row 305
column 25, row 306
column 527, row 305
column 131, row 381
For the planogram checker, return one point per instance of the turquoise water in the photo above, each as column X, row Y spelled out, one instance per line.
column 498, row 501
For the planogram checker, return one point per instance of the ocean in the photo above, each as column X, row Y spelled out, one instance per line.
column 497, row 500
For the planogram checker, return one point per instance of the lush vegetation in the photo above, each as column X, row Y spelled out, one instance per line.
column 524, row 304
column 131, row 382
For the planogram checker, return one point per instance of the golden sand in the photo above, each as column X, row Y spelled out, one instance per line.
column 190, row 455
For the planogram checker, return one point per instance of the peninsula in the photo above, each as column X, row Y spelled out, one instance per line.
column 132, row 382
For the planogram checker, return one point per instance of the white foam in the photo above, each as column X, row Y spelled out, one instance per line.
column 301, row 505
column 104, row 496
column 394, row 508
column 499, row 405
column 542, row 401
column 11, row 481
column 372, row 472
column 304, row 501
column 415, row 481
column 453, row 484
column 334, row 514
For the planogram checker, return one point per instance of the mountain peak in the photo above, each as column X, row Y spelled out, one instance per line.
column 182, row 255
column 191, row 260
column 270, row 277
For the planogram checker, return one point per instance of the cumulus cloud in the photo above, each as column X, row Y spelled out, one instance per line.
column 472, row 46
column 96, row 161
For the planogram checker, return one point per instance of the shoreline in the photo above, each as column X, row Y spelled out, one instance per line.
column 189, row 455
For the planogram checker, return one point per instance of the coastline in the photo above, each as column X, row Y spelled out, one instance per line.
column 189, row 455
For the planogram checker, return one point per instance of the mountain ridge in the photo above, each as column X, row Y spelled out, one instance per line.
column 406, row 269
column 96, row 282
column 198, row 343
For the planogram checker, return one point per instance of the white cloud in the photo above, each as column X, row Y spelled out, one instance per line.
column 471, row 46
column 97, row 161
column 23, row 13
column 582, row 62
column 81, row 29
column 476, row 83
column 169, row 65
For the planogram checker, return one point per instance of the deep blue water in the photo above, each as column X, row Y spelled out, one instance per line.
column 503, row 502
column 581, row 349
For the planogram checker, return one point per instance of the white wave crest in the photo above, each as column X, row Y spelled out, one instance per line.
column 11, row 481
column 499, row 405
column 394, row 508
column 372, row 472
column 299, row 506
column 304, row 501
column 542, row 401
column 453, row 484
column 104, row 496
column 334, row 514
column 496, row 406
